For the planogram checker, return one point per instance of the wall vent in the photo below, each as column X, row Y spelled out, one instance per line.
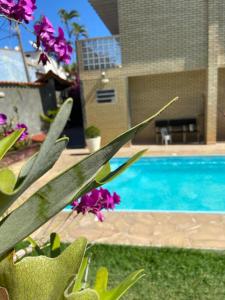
column 105, row 96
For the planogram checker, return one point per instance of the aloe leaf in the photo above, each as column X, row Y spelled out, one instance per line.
column 47, row 156
column 61, row 191
column 112, row 175
column 38, row 277
column 7, row 142
column 117, row 292
column 55, row 245
column 7, row 180
column 7, row 199
column 45, row 153
column 56, row 151
column 105, row 171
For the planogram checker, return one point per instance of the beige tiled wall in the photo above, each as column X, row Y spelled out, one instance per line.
column 221, row 106
column 111, row 118
column 164, row 46
column 163, row 36
column 148, row 94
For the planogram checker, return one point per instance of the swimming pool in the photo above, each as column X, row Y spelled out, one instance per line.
column 177, row 184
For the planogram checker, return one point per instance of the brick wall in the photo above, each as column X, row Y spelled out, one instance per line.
column 111, row 118
column 161, row 38
column 149, row 93
column 221, row 106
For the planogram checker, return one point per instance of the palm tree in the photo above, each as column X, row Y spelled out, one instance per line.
column 78, row 31
column 73, row 30
column 66, row 17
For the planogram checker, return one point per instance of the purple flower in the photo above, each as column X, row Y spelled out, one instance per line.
column 44, row 31
column 25, row 133
column 56, row 45
column 44, row 59
column 95, row 201
column 20, row 10
column 3, row 119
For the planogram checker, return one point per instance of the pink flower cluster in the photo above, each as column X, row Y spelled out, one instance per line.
column 56, row 45
column 95, row 201
column 20, row 10
column 8, row 129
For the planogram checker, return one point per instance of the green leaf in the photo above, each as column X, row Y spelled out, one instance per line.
column 40, row 277
column 55, row 245
column 35, row 246
column 112, row 175
column 7, row 180
column 46, row 118
column 43, row 161
column 61, row 191
column 78, row 283
column 117, row 292
column 101, row 281
column 7, row 142
column 105, row 171
column 86, row 294
column 56, row 151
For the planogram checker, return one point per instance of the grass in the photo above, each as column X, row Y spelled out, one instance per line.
column 177, row 274
column 170, row 273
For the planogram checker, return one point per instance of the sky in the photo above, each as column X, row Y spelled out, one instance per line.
column 88, row 17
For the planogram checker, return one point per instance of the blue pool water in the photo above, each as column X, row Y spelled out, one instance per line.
column 187, row 184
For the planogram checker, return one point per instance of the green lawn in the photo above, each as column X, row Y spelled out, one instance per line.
column 170, row 273
column 176, row 274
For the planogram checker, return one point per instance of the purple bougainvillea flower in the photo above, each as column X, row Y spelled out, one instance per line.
column 95, row 201
column 25, row 133
column 3, row 119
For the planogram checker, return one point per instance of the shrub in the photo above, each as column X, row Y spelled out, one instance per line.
column 92, row 132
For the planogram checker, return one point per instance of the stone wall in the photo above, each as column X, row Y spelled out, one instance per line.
column 28, row 100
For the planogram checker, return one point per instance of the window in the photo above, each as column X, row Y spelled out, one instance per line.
column 105, row 96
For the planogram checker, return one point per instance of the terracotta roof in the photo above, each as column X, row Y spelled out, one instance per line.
column 22, row 84
column 60, row 83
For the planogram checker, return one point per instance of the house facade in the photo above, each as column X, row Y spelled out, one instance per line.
column 159, row 49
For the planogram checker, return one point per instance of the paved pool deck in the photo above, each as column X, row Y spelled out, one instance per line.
column 187, row 230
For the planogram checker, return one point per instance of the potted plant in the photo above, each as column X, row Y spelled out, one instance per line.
column 93, row 138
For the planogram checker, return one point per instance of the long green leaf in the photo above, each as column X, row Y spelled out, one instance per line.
column 43, row 161
column 7, row 180
column 7, row 142
column 55, row 245
column 112, row 175
column 60, row 191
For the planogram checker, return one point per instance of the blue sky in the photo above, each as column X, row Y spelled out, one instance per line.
column 88, row 17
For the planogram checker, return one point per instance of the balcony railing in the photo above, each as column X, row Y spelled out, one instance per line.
column 101, row 53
